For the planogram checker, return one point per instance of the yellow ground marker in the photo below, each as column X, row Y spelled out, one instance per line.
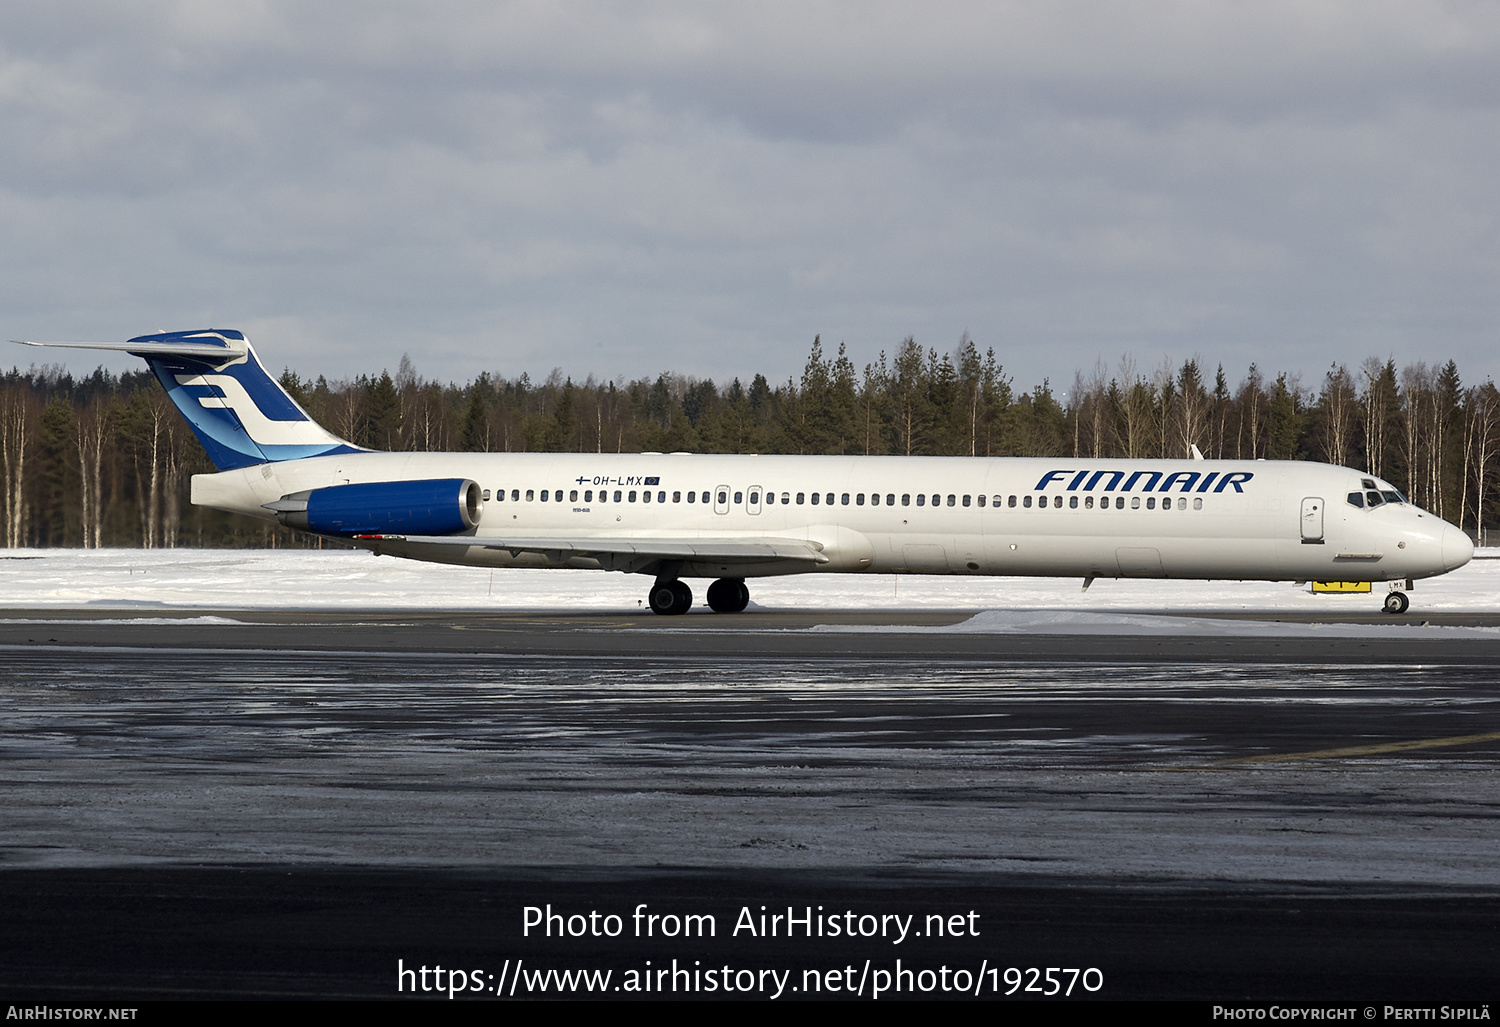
column 1353, row 750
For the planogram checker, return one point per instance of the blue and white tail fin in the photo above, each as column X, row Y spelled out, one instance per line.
column 239, row 413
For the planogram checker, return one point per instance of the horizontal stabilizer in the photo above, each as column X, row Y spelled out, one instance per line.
column 216, row 352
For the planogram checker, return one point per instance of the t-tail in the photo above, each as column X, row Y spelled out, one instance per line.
column 240, row 414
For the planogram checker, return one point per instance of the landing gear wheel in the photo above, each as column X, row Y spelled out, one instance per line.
column 728, row 595
column 1397, row 602
column 670, row 598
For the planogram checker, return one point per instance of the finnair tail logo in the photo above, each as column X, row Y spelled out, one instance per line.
column 1149, row 481
column 264, row 431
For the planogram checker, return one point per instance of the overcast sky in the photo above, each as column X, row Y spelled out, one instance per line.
column 628, row 188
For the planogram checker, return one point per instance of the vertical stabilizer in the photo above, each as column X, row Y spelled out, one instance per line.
column 239, row 413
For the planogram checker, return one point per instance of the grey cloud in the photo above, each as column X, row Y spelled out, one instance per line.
column 620, row 189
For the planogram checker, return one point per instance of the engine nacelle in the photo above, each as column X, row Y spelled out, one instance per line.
column 438, row 506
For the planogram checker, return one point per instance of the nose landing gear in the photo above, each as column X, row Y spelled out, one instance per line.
column 1396, row 602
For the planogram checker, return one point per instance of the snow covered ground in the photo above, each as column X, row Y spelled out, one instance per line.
column 133, row 579
column 325, row 580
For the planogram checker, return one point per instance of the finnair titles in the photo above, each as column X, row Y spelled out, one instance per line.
column 677, row 516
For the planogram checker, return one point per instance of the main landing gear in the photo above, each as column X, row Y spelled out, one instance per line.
column 728, row 595
column 670, row 598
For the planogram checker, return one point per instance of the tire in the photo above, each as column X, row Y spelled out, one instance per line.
column 665, row 599
column 1397, row 602
column 728, row 595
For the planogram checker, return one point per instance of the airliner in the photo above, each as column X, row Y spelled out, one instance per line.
column 676, row 516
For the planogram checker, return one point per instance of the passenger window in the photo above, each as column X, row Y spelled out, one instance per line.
column 1150, row 502
column 754, row 498
column 859, row 500
column 890, row 499
column 1181, row 503
column 981, row 500
column 1135, row 502
column 966, row 500
column 1057, row 502
column 530, row 495
column 1073, row 502
column 543, row 496
column 770, row 498
column 1197, row 503
column 723, row 498
column 588, row 496
column 677, row 497
column 799, row 498
column 829, row 499
column 816, row 498
column 921, row 499
column 906, row 499
column 661, row 497
column 693, row 497
column 874, row 498
column 845, row 500
column 1026, row 502
column 951, row 497
column 632, row 495
column 486, row 495
column 1012, row 502
column 739, row 497
column 573, row 496
column 786, row 497
column 645, row 496
column 617, row 495
column 937, row 500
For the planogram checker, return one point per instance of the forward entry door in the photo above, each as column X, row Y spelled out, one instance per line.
column 1312, row 521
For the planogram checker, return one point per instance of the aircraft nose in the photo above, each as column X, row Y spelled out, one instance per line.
column 1457, row 549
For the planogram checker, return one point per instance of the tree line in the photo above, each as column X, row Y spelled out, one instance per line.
column 106, row 460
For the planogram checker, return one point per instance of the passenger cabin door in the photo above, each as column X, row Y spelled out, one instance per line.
column 752, row 500
column 1312, row 521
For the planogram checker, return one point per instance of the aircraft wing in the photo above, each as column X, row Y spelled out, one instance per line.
column 560, row 548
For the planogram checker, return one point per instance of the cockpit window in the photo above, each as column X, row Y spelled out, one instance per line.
column 1373, row 498
column 1368, row 483
column 1393, row 496
column 1357, row 499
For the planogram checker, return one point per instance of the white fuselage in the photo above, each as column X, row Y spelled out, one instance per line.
column 924, row 515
